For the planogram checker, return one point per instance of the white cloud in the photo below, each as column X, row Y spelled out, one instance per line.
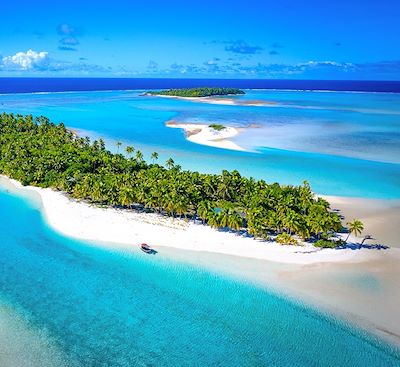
column 327, row 63
column 40, row 63
column 26, row 60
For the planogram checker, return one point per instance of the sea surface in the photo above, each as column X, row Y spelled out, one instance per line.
column 67, row 303
column 343, row 143
column 27, row 85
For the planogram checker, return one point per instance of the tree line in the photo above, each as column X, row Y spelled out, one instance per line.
column 38, row 152
column 197, row 92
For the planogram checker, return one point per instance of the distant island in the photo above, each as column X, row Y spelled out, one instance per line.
column 197, row 92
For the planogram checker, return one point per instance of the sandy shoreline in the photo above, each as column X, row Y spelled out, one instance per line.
column 222, row 100
column 381, row 217
column 205, row 135
column 88, row 222
column 330, row 280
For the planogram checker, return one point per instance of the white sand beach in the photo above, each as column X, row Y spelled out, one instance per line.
column 206, row 135
column 108, row 225
column 223, row 100
column 381, row 218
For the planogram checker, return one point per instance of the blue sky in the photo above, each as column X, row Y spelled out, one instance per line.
column 285, row 39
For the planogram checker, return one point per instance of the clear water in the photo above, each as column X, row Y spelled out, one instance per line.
column 342, row 143
column 86, row 306
column 99, row 307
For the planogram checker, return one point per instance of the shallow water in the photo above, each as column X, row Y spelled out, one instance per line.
column 342, row 143
column 98, row 307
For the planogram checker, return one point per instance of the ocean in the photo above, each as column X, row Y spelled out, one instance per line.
column 28, row 85
column 65, row 302
column 68, row 303
column 343, row 143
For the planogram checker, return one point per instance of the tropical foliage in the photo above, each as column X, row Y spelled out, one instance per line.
column 325, row 243
column 286, row 239
column 217, row 127
column 356, row 227
column 197, row 92
column 37, row 152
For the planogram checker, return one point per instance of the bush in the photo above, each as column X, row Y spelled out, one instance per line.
column 286, row 239
column 217, row 127
column 327, row 243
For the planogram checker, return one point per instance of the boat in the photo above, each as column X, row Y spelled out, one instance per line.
column 147, row 249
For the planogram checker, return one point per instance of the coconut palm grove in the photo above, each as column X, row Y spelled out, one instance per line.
column 38, row 152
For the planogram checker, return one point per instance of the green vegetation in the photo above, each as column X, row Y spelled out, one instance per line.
column 37, row 152
column 286, row 239
column 356, row 227
column 323, row 243
column 197, row 92
column 217, row 127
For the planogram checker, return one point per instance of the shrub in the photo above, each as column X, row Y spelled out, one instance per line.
column 217, row 127
column 327, row 243
column 286, row 239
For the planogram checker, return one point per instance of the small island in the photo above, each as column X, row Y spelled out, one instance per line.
column 197, row 92
column 214, row 135
column 221, row 96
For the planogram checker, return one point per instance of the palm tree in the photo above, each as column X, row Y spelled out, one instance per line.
column 223, row 217
column 126, row 195
column 213, row 219
column 154, row 156
column 235, row 221
column 356, row 227
column 139, row 156
column 102, row 144
column 181, row 206
column 291, row 221
column 170, row 163
column 129, row 150
column 204, row 209
column 305, row 196
column 118, row 145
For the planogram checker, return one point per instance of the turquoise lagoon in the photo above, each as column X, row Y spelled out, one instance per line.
column 343, row 143
column 98, row 307
column 90, row 306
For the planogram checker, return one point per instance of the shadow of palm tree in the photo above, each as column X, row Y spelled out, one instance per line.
column 359, row 246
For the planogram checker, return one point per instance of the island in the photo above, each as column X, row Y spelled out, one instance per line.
column 213, row 135
column 221, row 96
column 37, row 152
column 197, row 92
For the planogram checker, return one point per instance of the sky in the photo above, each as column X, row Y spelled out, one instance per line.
column 281, row 39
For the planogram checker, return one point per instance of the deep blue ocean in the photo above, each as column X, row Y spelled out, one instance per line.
column 26, row 85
